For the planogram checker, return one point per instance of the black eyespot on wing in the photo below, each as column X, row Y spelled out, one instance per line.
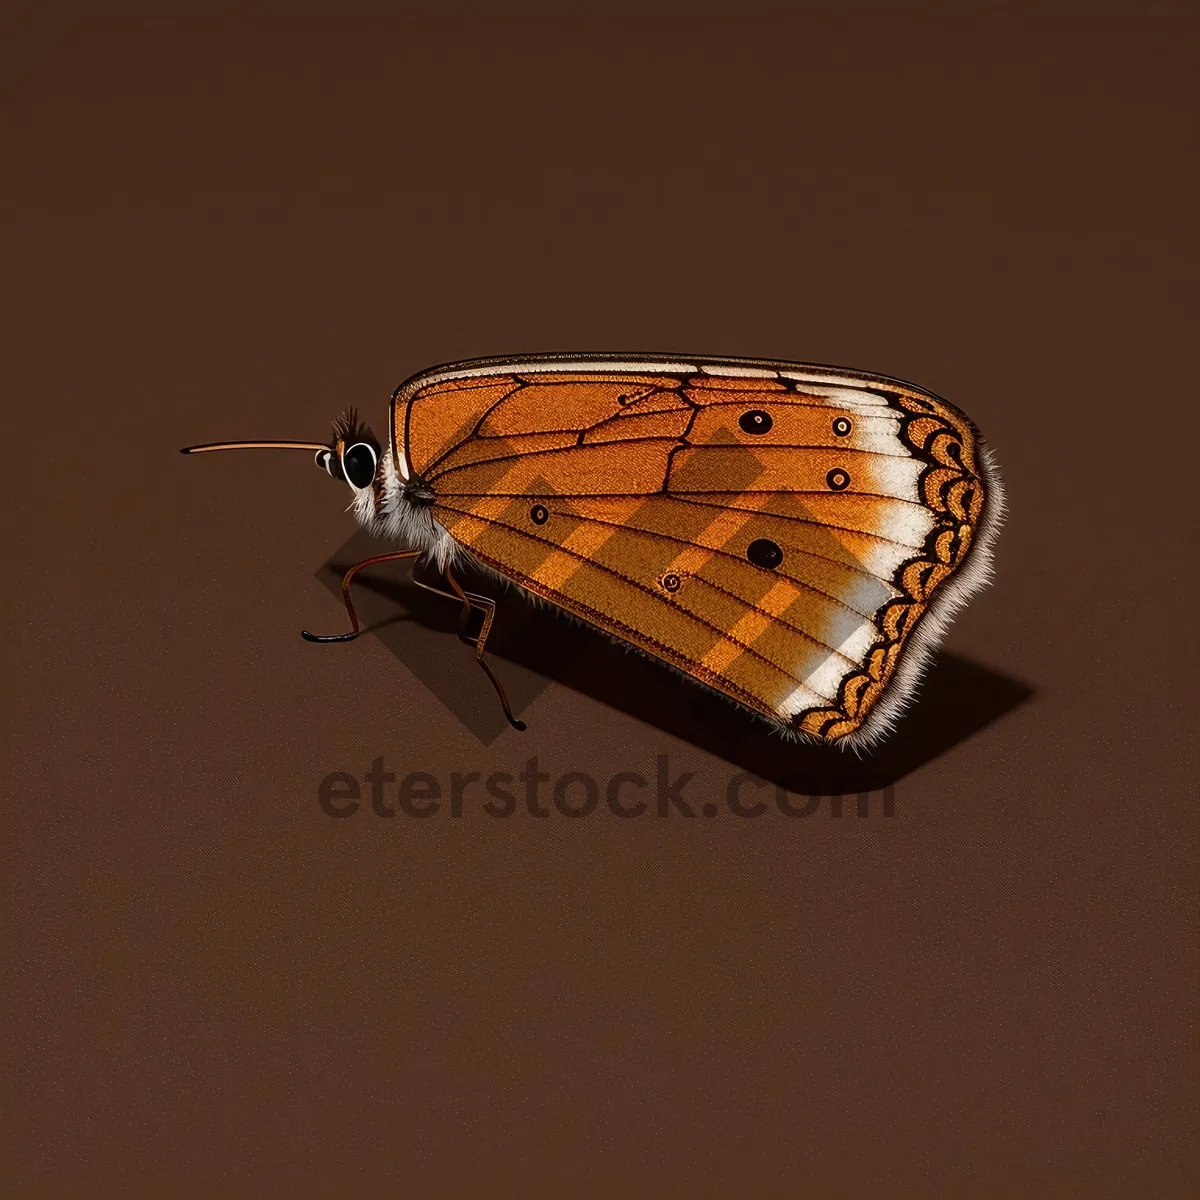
column 763, row 552
column 539, row 514
column 841, row 426
column 838, row 479
column 359, row 462
column 671, row 582
column 755, row 421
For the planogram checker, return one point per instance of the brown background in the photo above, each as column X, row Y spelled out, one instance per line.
column 225, row 223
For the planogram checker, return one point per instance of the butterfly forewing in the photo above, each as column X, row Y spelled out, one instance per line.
column 775, row 531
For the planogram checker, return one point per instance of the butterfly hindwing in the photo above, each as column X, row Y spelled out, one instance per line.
column 777, row 532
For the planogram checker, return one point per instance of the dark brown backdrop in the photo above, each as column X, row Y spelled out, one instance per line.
column 233, row 223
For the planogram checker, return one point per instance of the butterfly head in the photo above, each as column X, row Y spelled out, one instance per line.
column 353, row 456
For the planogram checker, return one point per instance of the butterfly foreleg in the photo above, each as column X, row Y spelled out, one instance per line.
column 355, row 630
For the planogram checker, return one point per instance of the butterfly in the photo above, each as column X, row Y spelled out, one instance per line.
column 794, row 537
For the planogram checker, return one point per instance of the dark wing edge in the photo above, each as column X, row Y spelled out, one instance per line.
column 937, row 584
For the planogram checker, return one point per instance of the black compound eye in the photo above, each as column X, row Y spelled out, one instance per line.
column 755, row 421
column 360, row 461
column 328, row 462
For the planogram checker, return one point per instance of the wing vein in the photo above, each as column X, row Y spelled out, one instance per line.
column 727, row 554
column 722, row 633
column 474, row 432
column 685, row 499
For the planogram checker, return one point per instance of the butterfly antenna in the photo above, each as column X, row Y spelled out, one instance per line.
column 253, row 446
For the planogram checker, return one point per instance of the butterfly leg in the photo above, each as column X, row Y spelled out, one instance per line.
column 355, row 630
column 488, row 608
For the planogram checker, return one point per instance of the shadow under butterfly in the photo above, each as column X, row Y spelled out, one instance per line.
column 957, row 698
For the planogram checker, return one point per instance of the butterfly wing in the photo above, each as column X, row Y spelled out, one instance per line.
column 791, row 536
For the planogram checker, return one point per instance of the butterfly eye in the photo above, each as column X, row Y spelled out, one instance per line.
column 327, row 461
column 359, row 462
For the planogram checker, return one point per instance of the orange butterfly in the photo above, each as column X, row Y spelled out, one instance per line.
column 795, row 537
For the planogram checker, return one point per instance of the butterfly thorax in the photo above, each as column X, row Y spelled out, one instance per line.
column 398, row 510
column 418, row 493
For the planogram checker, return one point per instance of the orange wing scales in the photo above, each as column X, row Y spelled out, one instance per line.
column 715, row 584
column 597, row 588
column 777, row 538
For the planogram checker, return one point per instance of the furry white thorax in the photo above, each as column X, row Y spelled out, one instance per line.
column 390, row 515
